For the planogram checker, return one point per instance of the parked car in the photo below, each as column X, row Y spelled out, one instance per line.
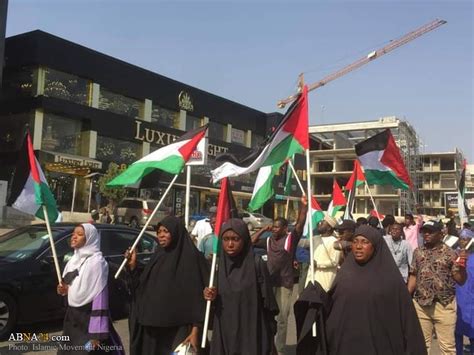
column 255, row 220
column 135, row 212
column 28, row 278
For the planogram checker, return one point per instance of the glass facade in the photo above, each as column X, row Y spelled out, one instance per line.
column 217, row 130
column 192, row 122
column 13, row 128
column 165, row 117
column 256, row 140
column 66, row 86
column 61, row 134
column 120, row 104
column 117, row 151
column 20, row 82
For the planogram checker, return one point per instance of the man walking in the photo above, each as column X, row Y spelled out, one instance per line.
column 434, row 272
column 401, row 251
column 281, row 247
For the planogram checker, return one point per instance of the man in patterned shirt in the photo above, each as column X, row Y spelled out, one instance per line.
column 433, row 274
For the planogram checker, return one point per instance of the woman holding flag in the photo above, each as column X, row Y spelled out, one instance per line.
column 244, row 307
column 167, row 305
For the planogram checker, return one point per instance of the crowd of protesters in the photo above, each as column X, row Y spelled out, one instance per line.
column 376, row 287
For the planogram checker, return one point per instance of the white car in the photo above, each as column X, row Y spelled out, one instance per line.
column 256, row 220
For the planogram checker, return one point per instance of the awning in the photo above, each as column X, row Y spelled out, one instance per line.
column 68, row 163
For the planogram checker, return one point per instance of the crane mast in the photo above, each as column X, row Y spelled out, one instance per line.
column 370, row 57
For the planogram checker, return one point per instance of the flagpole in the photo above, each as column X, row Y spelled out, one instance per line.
column 287, row 206
column 208, row 303
column 373, row 202
column 124, row 262
column 51, row 241
column 188, row 194
column 296, row 176
column 310, row 224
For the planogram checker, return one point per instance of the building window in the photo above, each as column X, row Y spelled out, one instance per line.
column 165, row 117
column 61, row 134
column 117, row 151
column 447, row 164
column 238, row 136
column 192, row 122
column 217, row 130
column 20, row 82
column 66, row 86
column 120, row 104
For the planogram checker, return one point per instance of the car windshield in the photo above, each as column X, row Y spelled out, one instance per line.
column 258, row 215
column 20, row 245
column 151, row 205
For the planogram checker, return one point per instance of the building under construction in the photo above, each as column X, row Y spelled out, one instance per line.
column 333, row 158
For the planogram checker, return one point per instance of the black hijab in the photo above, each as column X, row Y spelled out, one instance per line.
column 171, row 285
column 245, row 305
column 372, row 311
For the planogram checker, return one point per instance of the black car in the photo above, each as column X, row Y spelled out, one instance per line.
column 28, row 279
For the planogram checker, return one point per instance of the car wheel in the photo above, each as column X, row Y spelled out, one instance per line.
column 7, row 314
column 133, row 223
column 250, row 226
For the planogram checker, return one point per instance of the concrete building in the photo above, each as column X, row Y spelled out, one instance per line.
column 439, row 176
column 334, row 157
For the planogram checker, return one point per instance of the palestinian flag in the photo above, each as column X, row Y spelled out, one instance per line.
column 30, row 190
column 357, row 178
column 226, row 209
column 382, row 162
column 290, row 137
column 263, row 188
column 288, row 175
column 338, row 200
column 463, row 209
column 170, row 158
column 317, row 215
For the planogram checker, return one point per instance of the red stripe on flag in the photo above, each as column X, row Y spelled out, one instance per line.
column 338, row 198
column 223, row 206
column 188, row 149
column 297, row 123
column 314, row 204
column 32, row 159
column 391, row 157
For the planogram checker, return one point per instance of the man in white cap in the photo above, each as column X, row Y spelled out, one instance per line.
column 326, row 257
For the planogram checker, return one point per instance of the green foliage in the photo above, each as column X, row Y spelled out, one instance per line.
column 113, row 194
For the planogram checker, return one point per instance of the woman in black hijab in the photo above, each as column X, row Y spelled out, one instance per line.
column 372, row 311
column 245, row 307
column 167, row 304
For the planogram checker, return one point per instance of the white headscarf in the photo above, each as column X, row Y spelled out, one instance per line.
column 93, row 273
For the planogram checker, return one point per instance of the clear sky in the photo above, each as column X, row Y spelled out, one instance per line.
column 252, row 52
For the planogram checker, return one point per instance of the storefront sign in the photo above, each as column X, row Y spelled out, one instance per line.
column 162, row 138
column 184, row 101
column 451, row 200
column 77, row 162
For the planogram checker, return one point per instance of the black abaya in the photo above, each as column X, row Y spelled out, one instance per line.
column 167, row 295
column 372, row 311
column 245, row 306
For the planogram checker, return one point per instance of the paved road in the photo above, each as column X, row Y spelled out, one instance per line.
column 55, row 328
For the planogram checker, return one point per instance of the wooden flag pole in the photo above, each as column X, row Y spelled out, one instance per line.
column 51, row 242
column 124, row 262
column 188, row 196
column 296, row 176
column 208, row 303
column 373, row 202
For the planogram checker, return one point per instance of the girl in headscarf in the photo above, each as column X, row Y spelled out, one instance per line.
column 167, row 304
column 372, row 311
column 87, row 321
column 245, row 307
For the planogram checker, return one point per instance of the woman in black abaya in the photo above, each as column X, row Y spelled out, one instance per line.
column 372, row 311
column 245, row 307
column 167, row 307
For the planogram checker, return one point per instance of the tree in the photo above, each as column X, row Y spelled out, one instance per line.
column 113, row 194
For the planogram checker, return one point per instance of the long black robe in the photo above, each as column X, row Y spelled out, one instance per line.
column 167, row 295
column 372, row 311
column 245, row 307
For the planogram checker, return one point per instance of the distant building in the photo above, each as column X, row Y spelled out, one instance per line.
column 334, row 155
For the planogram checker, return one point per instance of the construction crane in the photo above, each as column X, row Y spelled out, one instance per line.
column 370, row 57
